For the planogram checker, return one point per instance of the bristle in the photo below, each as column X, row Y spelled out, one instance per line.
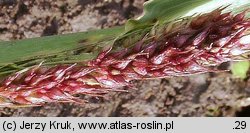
column 186, row 48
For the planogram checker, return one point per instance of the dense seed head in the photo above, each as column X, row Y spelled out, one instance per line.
column 182, row 48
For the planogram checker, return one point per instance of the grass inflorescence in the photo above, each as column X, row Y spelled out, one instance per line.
column 179, row 48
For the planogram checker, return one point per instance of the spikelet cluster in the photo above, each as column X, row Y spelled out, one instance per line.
column 187, row 47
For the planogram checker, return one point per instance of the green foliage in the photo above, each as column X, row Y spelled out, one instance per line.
column 240, row 69
column 69, row 48
column 161, row 10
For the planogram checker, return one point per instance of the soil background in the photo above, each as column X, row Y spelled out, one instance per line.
column 211, row 94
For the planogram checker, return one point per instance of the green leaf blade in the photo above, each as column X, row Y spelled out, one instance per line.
column 13, row 51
